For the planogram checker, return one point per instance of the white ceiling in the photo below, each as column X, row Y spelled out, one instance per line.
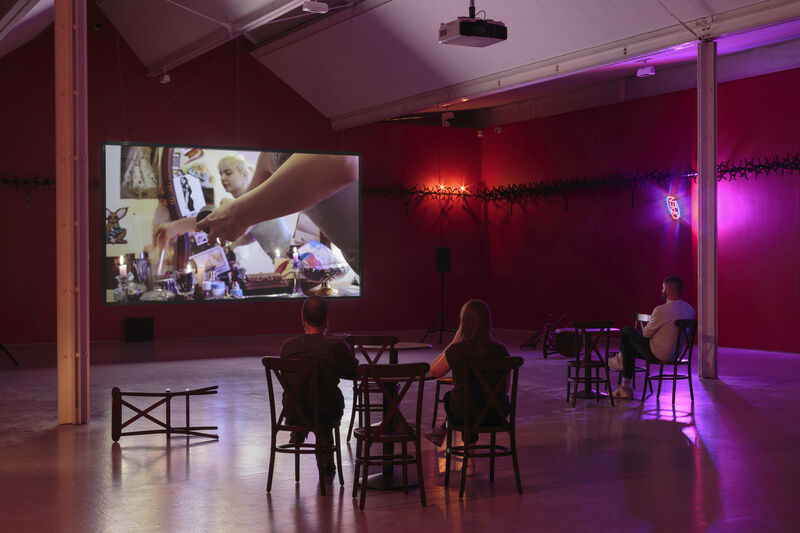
column 368, row 60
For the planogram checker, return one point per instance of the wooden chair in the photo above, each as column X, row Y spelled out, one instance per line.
column 358, row 343
column 299, row 379
column 682, row 356
column 479, row 372
column 593, row 333
column 447, row 381
column 394, row 382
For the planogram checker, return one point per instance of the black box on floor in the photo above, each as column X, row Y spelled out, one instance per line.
column 139, row 329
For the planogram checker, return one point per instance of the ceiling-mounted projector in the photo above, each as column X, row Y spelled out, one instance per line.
column 315, row 7
column 471, row 31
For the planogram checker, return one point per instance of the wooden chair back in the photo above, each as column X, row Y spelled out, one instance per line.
column 687, row 331
column 299, row 379
column 479, row 373
column 597, row 337
column 393, row 382
column 384, row 342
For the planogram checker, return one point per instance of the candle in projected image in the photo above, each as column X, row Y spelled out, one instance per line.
column 295, row 257
column 123, row 268
column 277, row 253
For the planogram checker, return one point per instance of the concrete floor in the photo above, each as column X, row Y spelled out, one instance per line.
column 728, row 463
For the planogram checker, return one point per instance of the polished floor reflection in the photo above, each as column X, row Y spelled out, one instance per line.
column 726, row 463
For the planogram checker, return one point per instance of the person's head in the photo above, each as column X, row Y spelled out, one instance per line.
column 476, row 323
column 235, row 174
column 315, row 314
column 671, row 288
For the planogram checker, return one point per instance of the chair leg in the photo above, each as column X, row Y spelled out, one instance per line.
column 435, row 404
column 364, row 474
column 608, row 384
column 513, row 444
column 356, row 396
column 420, row 479
column 357, row 467
column 464, row 464
column 447, row 455
column 674, row 382
column 569, row 384
column 321, row 471
column 404, row 451
column 660, row 378
column 597, row 383
column 689, row 377
column 646, row 381
column 271, row 461
column 338, row 438
column 296, row 463
column 492, row 442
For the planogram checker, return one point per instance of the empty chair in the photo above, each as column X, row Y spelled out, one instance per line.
column 299, row 414
column 682, row 356
column 358, row 344
column 394, row 383
column 596, row 337
column 484, row 412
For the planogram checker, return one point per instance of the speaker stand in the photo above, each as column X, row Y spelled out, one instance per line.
column 9, row 355
column 440, row 319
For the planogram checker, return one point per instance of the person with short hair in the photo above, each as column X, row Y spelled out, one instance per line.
column 658, row 338
column 337, row 361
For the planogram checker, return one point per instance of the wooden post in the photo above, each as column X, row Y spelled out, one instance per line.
column 72, row 201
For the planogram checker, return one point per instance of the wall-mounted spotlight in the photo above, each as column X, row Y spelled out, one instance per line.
column 164, row 79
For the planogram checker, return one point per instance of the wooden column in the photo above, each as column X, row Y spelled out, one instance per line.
column 707, row 206
column 72, row 205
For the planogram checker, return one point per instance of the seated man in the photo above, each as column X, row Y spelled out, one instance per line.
column 337, row 361
column 659, row 336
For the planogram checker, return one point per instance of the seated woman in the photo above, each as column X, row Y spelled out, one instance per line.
column 472, row 340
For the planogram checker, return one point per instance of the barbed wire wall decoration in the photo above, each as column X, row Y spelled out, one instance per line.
column 569, row 188
column 562, row 189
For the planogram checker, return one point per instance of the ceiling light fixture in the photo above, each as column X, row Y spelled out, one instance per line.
column 164, row 79
column 315, row 7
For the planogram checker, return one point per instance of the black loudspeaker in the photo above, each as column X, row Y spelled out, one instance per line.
column 139, row 329
column 443, row 259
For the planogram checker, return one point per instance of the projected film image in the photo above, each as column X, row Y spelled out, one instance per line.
column 193, row 224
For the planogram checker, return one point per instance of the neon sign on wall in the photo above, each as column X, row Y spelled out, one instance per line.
column 673, row 207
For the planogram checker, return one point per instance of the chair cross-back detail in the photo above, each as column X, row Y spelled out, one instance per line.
column 358, row 344
column 298, row 377
column 394, row 383
column 681, row 356
column 476, row 371
column 593, row 333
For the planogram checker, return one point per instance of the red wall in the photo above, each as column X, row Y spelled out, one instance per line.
column 598, row 258
column 602, row 258
column 222, row 98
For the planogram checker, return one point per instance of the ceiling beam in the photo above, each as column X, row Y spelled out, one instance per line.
column 265, row 15
column 11, row 12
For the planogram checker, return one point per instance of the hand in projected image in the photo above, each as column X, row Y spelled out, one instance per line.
column 166, row 232
column 223, row 223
